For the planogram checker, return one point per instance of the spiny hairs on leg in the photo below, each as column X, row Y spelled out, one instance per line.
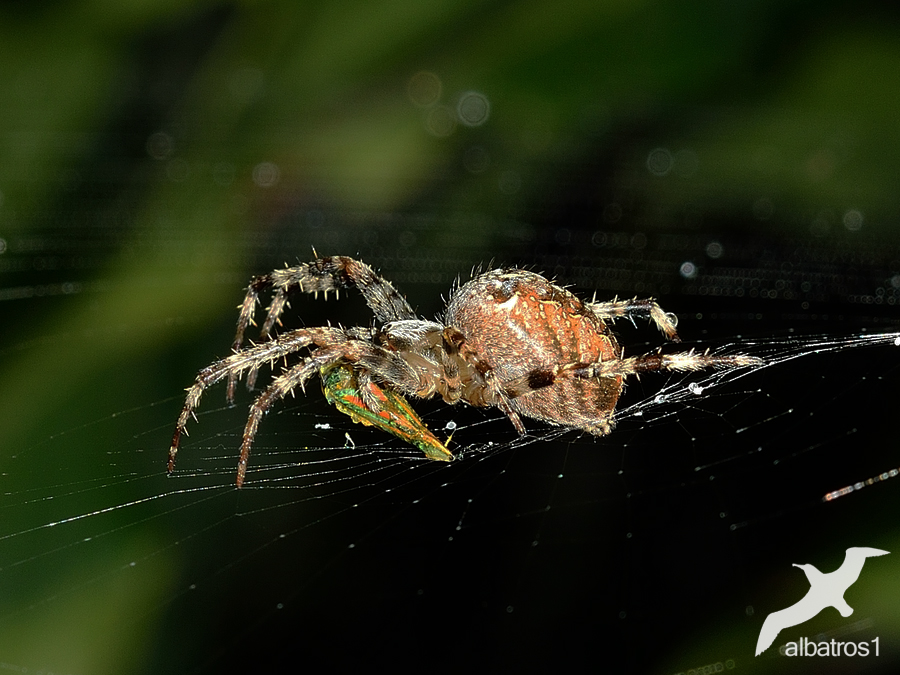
column 677, row 362
column 248, row 360
column 645, row 307
column 330, row 273
column 278, row 389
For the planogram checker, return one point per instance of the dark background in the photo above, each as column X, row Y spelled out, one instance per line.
column 739, row 161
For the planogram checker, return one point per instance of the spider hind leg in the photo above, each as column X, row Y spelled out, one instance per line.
column 657, row 361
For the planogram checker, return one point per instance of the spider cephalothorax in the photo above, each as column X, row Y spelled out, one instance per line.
column 509, row 338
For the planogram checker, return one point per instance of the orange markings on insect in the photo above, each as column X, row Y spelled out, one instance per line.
column 394, row 415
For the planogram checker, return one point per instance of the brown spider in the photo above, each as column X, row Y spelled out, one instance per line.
column 508, row 338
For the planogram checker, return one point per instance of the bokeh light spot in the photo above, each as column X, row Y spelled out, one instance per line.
column 424, row 89
column 659, row 162
column 440, row 121
column 266, row 174
column 612, row 212
column 473, row 109
column 160, row 145
column 714, row 250
column 853, row 220
column 688, row 270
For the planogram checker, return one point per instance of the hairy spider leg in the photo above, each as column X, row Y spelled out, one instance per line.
column 489, row 391
column 654, row 361
column 248, row 359
column 379, row 361
column 330, row 273
column 633, row 365
column 278, row 389
column 645, row 308
column 337, row 348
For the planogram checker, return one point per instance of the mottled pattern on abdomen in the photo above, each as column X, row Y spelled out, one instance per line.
column 525, row 330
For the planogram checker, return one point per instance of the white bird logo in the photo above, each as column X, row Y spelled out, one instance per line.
column 825, row 590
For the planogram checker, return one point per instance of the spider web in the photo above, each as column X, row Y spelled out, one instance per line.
column 734, row 164
column 343, row 533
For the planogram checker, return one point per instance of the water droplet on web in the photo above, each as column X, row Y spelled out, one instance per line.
column 659, row 398
column 450, row 426
column 695, row 388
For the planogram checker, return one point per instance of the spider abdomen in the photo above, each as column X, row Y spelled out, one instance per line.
column 527, row 330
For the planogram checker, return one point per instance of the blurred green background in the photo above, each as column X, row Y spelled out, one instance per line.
column 155, row 155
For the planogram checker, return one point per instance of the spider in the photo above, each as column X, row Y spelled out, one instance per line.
column 508, row 338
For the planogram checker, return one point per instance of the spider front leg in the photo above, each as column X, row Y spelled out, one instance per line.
column 247, row 360
column 278, row 389
column 385, row 409
column 646, row 308
column 331, row 273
